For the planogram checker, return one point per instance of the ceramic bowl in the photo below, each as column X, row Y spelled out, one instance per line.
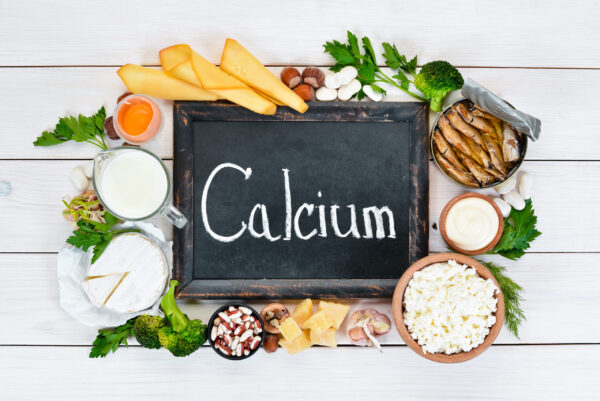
column 451, row 244
column 398, row 307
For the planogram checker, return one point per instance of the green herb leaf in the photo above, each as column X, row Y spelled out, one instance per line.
column 108, row 340
column 366, row 73
column 513, row 314
column 369, row 52
column 519, row 231
column 341, row 53
column 78, row 129
column 110, row 219
column 98, row 235
column 354, row 48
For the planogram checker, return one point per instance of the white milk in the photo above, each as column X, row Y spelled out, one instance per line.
column 133, row 184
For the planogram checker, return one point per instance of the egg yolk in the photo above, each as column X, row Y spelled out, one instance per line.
column 137, row 118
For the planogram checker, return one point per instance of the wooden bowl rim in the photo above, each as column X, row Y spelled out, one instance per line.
column 452, row 244
column 398, row 307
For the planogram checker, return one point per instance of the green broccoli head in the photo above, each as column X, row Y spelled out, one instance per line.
column 184, row 342
column 183, row 336
column 146, row 329
column 435, row 80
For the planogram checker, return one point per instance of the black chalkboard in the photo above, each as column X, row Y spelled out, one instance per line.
column 309, row 175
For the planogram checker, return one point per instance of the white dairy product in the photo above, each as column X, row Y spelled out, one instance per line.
column 472, row 223
column 133, row 184
column 129, row 276
column 449, row 308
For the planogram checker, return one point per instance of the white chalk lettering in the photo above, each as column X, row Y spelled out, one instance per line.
column 380, row 229
column 309, row 211
column 265, row 224
column 322, row 220
column 353, row 227
column 247, row 173
column 293, row 219
column 288, row 205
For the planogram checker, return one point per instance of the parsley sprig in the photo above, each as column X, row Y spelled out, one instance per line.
column 78, row 129
column 519, row 231
column 369, row 72
column 108, row 340
column 97, row 235
column 513, row 313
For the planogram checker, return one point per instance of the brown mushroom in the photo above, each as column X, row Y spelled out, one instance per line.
column 273, row 315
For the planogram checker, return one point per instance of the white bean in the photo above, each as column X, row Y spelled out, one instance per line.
column 325, row 94
column 79, row 179
column 515, row 200
column 333, row 81
column 347, row 74
column 503, row 206
column 526, row 186
column 348, row 90
column 372, row 94
column 506, row 186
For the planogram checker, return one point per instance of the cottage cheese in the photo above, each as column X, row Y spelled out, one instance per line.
column 449, row 308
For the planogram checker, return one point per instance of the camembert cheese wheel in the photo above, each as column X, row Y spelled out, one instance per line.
column 129, row 276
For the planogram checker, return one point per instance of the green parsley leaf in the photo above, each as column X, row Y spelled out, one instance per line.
column 341, row 53
column 98, row 235
column 513, row 313
column 78, row 129
column 108, row 340
column 366, row 63
column 519, row 231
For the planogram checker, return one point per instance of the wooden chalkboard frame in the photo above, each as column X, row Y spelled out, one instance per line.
column 184, row 115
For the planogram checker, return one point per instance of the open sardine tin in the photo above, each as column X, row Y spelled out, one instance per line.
column 457, row 99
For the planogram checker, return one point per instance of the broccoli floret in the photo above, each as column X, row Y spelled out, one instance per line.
column 146, row 329
column 435, row 80
column 183, row 336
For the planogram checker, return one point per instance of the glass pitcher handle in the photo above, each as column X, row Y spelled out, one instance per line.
column 174, row 216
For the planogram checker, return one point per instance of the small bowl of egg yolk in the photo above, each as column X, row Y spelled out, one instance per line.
column 137, row 118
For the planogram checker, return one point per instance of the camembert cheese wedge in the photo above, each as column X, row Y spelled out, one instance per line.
column 130, row 275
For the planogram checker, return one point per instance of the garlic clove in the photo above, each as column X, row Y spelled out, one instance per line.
column 88, row 170
column 506, row 186
column 526, row 186
column 372, row 94
column 503, row 206
column 325, row 94
column 515, row 200
column 79, row 179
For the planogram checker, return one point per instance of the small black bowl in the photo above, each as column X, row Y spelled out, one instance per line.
column 254, row 314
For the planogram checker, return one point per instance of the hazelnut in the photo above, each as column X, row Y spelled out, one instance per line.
column 270, row 343
column 305, row 91
column 109, row 128
column 123, row 96
column 313, row 76
column 291, row 77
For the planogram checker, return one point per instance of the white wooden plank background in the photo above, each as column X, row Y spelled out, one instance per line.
column 60, row 57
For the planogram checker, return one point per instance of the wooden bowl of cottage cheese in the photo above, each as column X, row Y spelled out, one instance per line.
column 448, row 307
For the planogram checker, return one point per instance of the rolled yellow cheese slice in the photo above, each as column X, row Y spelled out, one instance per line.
column 161, row 85
column 239, row 62
column 180, row 61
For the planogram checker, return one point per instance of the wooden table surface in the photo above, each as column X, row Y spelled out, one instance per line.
column 60, row 57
